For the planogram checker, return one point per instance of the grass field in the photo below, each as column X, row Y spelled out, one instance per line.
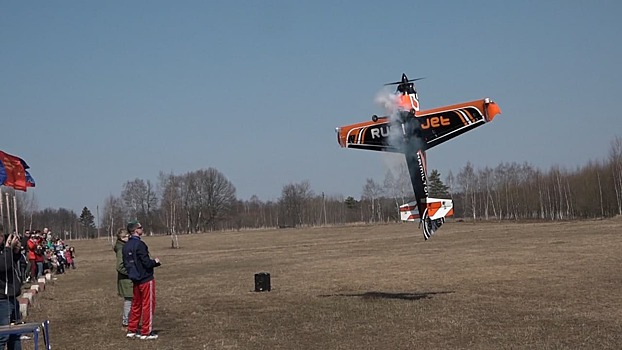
column 472, row 286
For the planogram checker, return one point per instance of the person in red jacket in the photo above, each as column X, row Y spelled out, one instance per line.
column 68, row 259
column 35, row 255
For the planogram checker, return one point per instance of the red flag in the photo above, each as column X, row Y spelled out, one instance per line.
column 12, row 172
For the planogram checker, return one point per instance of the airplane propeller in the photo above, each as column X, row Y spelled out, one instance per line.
column 404, row 80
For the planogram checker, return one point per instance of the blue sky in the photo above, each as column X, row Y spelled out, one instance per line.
column 97, row 93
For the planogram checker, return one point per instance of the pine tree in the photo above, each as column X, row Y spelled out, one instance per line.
column 436, row 186
column 351, row 203
column 88, row 221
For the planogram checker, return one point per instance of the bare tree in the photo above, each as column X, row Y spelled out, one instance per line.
column 114, row 215
column 450, row 182
column 63, row 222
column 169, row 189
column 293, row 203
column 403, row 183
column 468, row 182
column 207, row 198
column 218, row 196
column 141, row 199
column 27, row 205
column 250, row 213
column 256, row 213
column 391, row 188
column 487, row 182
column 372, row 192
column 615, row 159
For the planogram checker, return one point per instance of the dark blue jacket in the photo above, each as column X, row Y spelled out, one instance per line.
column 137, row 262
column 10, row 284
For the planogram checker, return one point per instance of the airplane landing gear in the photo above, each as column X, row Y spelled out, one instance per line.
column 429, row 226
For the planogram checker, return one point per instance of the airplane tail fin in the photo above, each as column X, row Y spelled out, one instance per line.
column 433, row 215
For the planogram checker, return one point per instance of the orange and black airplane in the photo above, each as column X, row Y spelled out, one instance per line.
column 412, row 131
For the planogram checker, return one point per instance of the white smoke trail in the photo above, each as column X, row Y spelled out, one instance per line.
column 389, row 102
column 407, row 141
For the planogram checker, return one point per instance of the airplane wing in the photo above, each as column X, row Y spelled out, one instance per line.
column 434, row 126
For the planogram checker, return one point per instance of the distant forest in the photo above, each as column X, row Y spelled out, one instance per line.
column 205, row 200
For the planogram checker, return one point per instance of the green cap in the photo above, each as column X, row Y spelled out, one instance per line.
column 132, row 225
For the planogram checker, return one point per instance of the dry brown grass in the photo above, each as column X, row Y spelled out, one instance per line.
column 472, row 286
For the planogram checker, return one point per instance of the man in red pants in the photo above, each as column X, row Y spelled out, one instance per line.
column 139, row 268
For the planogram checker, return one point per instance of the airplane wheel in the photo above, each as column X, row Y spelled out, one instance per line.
column 374, row 118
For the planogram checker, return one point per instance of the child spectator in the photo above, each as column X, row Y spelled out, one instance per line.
column 69, row 258
column 48, row 265
column 72, row 253
column 60, row 261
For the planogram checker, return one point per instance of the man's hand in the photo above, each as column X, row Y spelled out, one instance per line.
column 13, row 242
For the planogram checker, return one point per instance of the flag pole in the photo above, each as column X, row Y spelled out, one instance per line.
column 8, row 212
column 15, row 213
column 1, row 208
column 98, row 224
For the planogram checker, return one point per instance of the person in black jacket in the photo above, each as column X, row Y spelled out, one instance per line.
column 139, row 267
column 10, row 287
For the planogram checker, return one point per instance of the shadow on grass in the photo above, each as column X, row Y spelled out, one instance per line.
column 385, row 295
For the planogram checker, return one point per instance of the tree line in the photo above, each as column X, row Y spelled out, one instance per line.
column 205, row 200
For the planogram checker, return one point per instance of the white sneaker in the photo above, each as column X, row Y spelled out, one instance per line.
column 132, row 335
column 151, row 336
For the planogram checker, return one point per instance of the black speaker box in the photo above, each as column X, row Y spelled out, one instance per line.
column 262, row 282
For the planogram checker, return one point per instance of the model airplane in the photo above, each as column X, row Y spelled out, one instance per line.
column 412, row 131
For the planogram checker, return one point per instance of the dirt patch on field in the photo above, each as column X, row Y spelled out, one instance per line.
column 473, row 285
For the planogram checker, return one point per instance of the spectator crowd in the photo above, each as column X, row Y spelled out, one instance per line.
column 23, row 259
column 44, row 253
